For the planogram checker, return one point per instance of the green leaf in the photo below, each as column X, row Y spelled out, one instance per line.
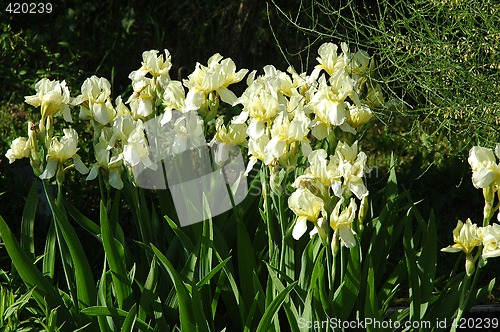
column 148, row 292
column 202, row 323
column 427, row 260
column 307, row 312
column 18, row 305
column 448, row 300
column 155, row 223
column 251, row 313
column 28, row 220
column 288, row 254
column 346, row 295
column 102, row 311
column 132, row 196
column 189, row 269
column 106, row 324
column 372, row 301
column 185, row 305
column 307, row 262
column 85, row 285
column 213, row 272
column 261, row 299
column 67, row 263
column 413, row 273
column 130, row 319
column 83, row 328
column 160, row 315
column 49, row 255
column 83, row 221
column 270, row 296
column 318, row 274
column 274, row 306
column 392, row 284
column 106, row 311
column 292, row 315
column 387, row 228
column 144, row 222
column 246, row 266
column 391, row 188
column 207, row 238
column 234, row 308
column 116, row 264
column 290, row 309
column 186, row 242
column 480, row 294
column 166, row 203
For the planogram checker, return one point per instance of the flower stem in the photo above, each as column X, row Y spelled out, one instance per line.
column 267, row 210
column 463, row 292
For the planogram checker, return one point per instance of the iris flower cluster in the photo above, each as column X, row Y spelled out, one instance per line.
column 287, row 120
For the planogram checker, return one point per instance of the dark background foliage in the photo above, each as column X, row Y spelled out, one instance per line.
column 107, row 38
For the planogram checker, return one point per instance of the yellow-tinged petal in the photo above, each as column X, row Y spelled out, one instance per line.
column 465, row 236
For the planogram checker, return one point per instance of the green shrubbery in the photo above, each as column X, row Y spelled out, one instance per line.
column 439, row 61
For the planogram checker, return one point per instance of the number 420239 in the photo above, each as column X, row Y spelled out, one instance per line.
column 28, row 8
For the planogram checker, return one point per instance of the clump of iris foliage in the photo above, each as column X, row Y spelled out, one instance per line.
column 253, row 267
